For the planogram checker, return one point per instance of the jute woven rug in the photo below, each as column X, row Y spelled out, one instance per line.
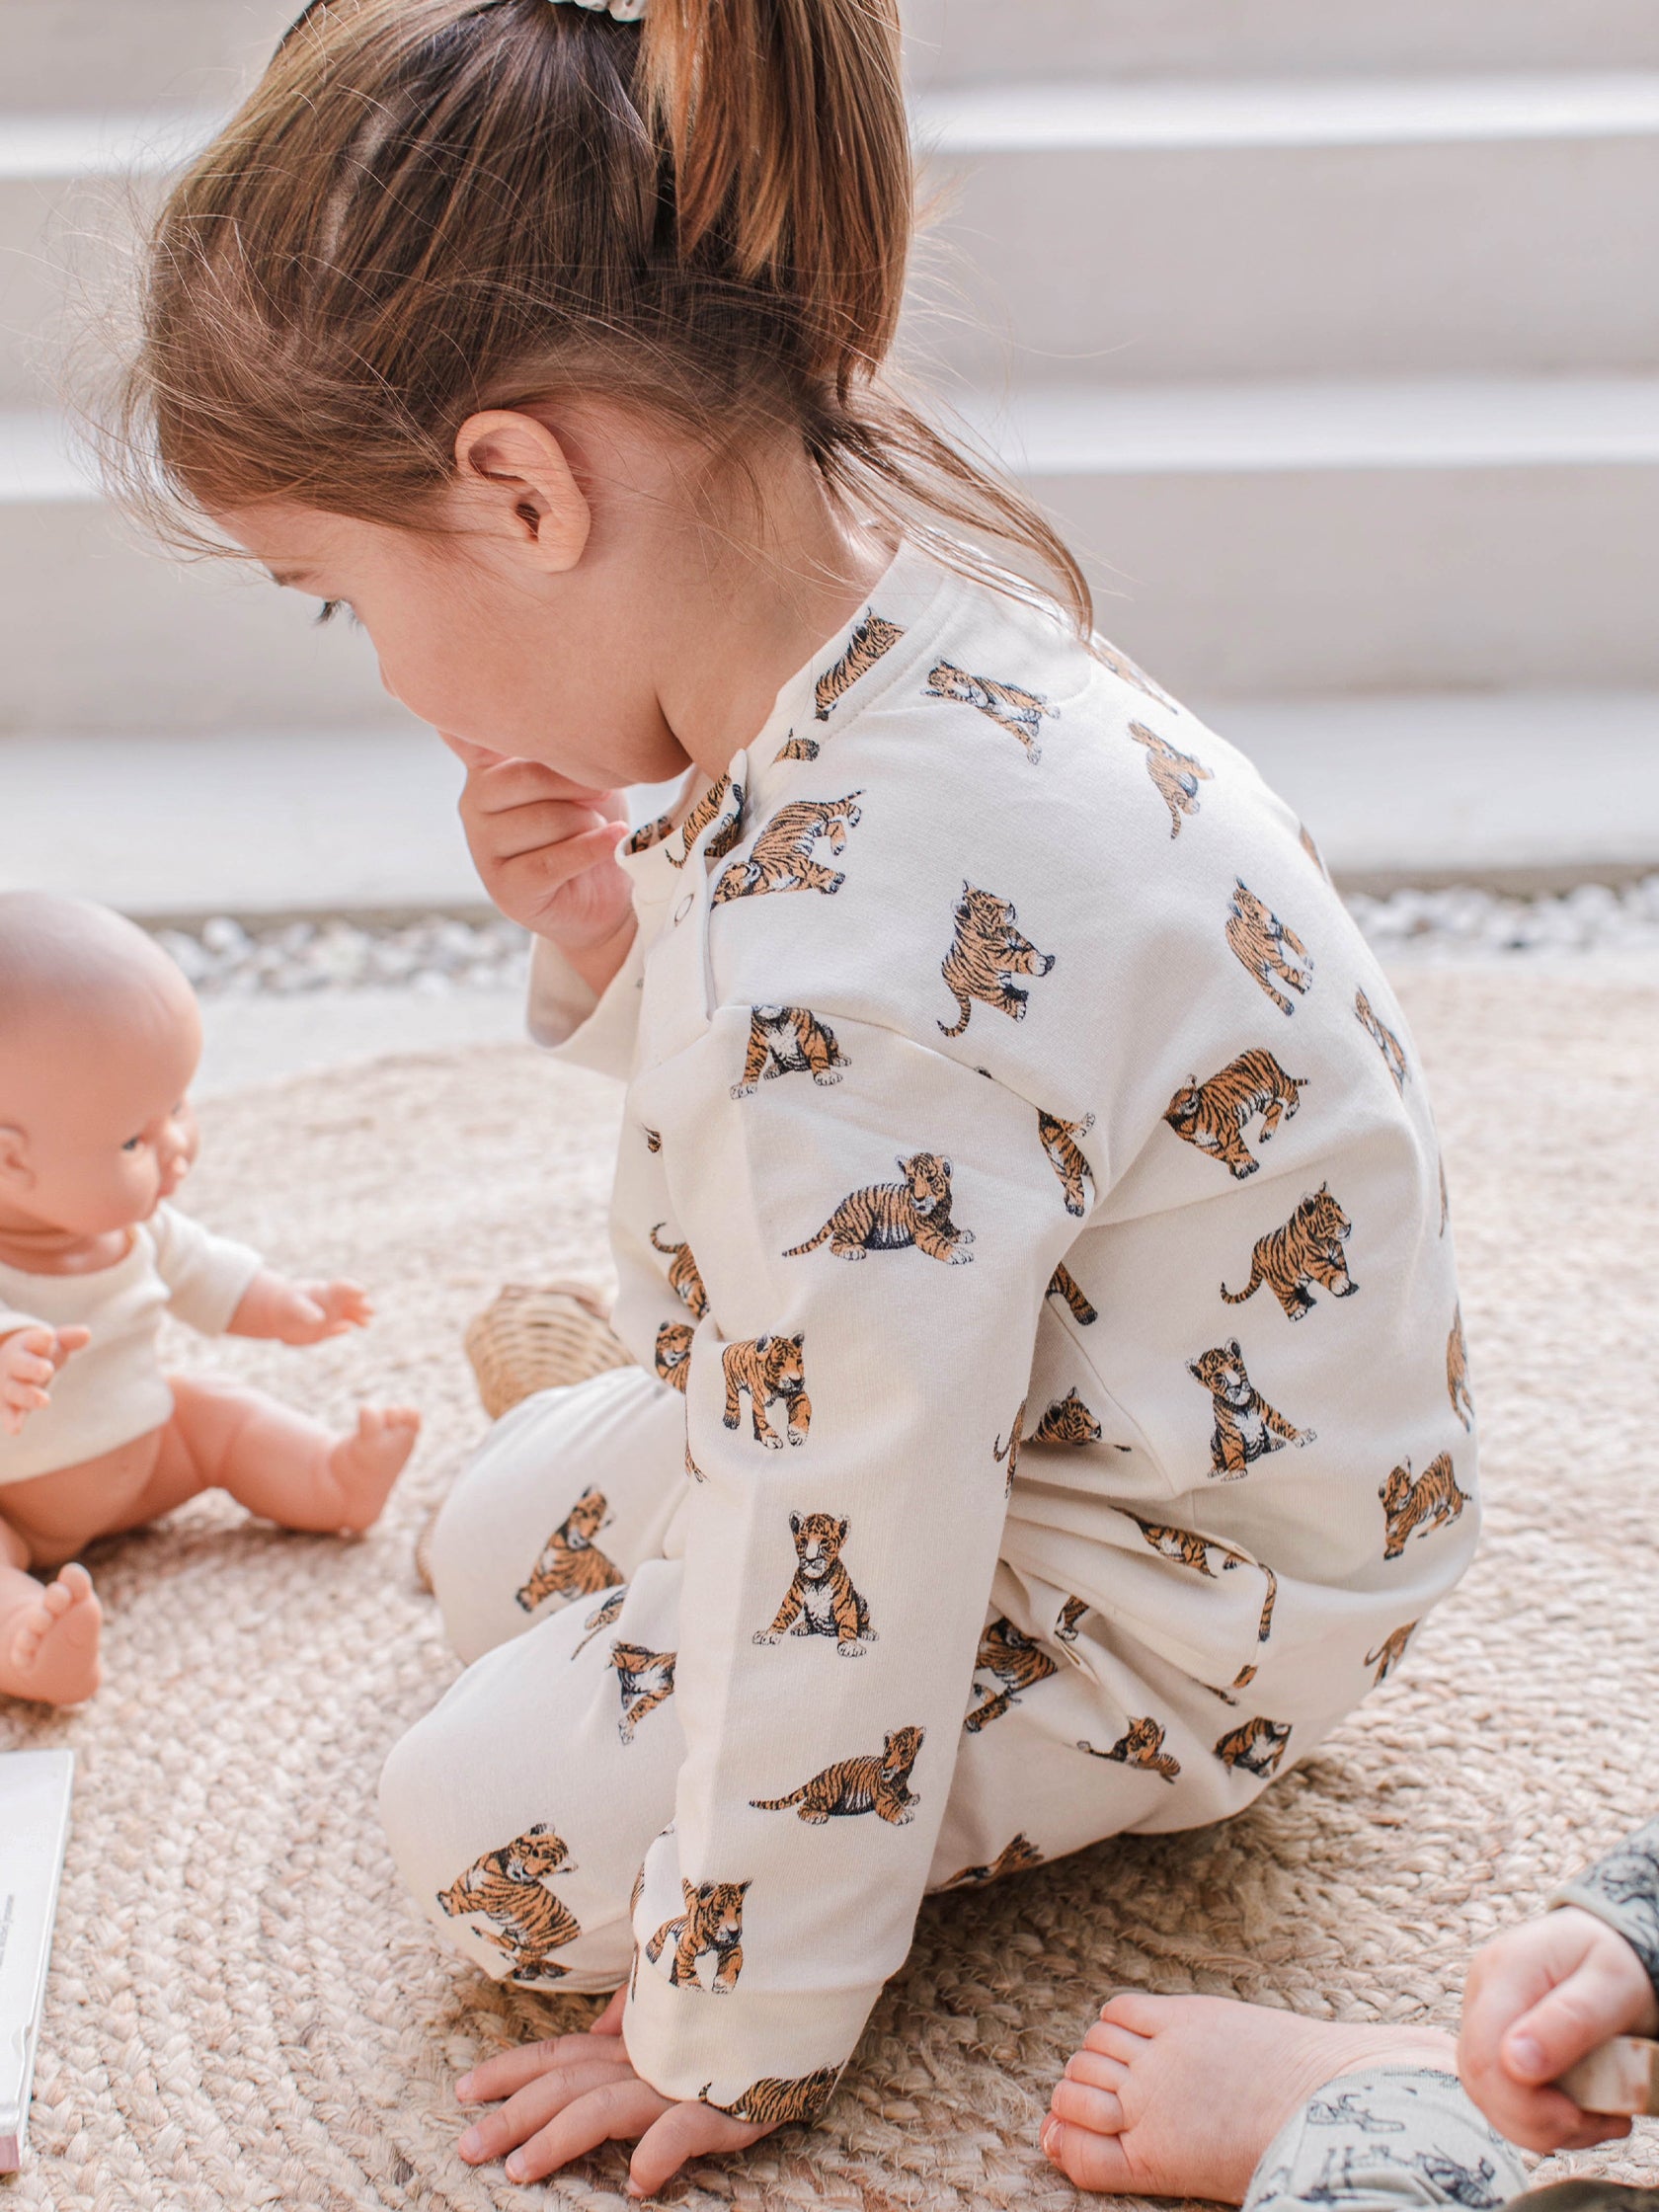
column 244, row 2012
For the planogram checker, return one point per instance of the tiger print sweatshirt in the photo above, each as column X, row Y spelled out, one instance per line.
column 1026, row 1166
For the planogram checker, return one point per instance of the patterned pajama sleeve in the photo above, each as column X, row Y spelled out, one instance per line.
column 1383, row 2140
column 566, row 1016
column 857, row 1362
column 1623, row 1891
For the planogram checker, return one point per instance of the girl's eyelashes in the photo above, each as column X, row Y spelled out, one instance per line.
column 331, row 607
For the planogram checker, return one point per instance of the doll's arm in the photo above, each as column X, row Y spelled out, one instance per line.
column 30, row 1354
column 288, row 1312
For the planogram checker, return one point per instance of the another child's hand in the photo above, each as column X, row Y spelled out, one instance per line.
column 1539, row 1999
column 544, row 847
column 568, row 2096
column 28, row 1360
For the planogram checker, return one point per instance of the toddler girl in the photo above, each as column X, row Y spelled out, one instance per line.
column 1049, row 1415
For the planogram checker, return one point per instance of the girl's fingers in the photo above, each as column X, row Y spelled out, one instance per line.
column 550, row 868
column 503, row 783
column 509, row 2071
column 684, row 2131
column 495, row 2133
column 536, row 825
column 618, row 2111
column 609, row 2021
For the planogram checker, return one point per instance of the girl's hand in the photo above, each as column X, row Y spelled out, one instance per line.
column 569, row 2094
column 544, row 847
column 1537, row 2000
column 28, row 1360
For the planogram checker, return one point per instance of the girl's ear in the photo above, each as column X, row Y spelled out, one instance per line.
column 517, row 483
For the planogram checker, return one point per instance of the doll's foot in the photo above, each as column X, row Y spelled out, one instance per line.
column 48, row 1649
column 365, row 1465
column 1182, row 2096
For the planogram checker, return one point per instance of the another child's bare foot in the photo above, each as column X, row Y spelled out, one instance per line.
column 365, row 1465
column 49, row 1650
column 1181, row 2096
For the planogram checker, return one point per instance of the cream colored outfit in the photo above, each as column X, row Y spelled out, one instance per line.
column 985, row 1029
column 112, row 1390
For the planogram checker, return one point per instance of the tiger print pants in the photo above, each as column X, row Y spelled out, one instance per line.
column 521, row 1808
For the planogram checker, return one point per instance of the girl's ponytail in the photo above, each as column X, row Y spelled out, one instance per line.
column 786, row 130
column 429, row 206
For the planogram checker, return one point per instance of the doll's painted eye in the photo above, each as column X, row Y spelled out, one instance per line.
column 132, row 1143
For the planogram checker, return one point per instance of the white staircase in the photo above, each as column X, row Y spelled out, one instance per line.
column 1331, row 334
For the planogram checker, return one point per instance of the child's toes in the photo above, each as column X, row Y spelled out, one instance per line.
column 1087, row 2158
column 1081, row 2101
column 1114, row 2041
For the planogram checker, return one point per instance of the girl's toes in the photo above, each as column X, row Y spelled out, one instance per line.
column 1136, row 2009
column 1078, row 2103
column 1115, row 2042
column 1096, row 2070
column 1087, row 2160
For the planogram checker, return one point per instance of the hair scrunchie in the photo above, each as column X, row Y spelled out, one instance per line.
column 619, row 11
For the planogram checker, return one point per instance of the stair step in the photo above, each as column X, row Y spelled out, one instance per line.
column 1397, row 790
column 1475, row 226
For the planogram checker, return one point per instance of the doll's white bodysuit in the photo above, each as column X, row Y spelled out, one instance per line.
column 1050, row 1417
column 112, row 1390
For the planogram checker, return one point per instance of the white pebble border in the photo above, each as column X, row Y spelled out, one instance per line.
column 440, row 954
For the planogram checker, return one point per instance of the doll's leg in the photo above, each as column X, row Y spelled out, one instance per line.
column 273, row 1460
column 49, row 1631
column 519, row 1813
column 563, row 1498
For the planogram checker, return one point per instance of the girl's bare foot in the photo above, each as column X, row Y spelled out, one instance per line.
column 365, row 1465
column 49, row 1648
column 1181, row 2096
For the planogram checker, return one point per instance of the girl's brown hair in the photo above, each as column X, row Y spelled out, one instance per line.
column 431, row 206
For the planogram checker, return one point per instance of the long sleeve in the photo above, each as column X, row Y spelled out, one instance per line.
column 873, row 1256
column 1623, row 1891
column 567, row 1017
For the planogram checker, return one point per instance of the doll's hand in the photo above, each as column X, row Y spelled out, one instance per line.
column 573, row 2092
column 545, row 848
column 28, row 1360
column 1539, row 1999
column 314, row 1311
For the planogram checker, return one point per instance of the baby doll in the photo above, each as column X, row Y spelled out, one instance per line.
column 100, row 1037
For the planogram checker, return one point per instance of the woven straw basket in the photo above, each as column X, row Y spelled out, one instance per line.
column 532, row 1338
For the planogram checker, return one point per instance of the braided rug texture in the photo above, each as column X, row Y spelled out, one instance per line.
column 244, row 2010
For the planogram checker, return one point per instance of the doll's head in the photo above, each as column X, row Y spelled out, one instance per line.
column 100, row 1037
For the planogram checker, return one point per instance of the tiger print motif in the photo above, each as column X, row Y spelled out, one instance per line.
column 1014, row 1662
column 789, row 1041
column 1128, row 671
column 1257, row 1746
column 1305, row 840
column 769, row 1368
column 877, row 1783
column 507, row 1887
column 889, row 1217
column 1017, row 1857
column 653, row 1140
column 1068, row 1421
column 1456, row 1372
column 650, row 834
column 602, row 1618
column 684, row 1279
column 821, row 1601
column 782, row 856
column 1141, row 1745
column 722, row 803
column 692, row 1467
column 869, row 641
column 1063, row 1284
column 1071, row 1614
column 1214, row 1115
column 796, row 749
column 711, row 1926
column 1260, row 941
column 1445, row 1201
column 1010, row 1451
column 1389, row 1653
column 1186, row 1547
column 1433, row 1501
column 1009, row 705
column 1383, row 1038
column 987, row 952
column 1246, row 1427
column 646, row 1680
column 1305, row 1251
column 673, row 1354
column 775, row 2104
column 1175, row 775
column 571, row 1564
column 1060, row 1140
